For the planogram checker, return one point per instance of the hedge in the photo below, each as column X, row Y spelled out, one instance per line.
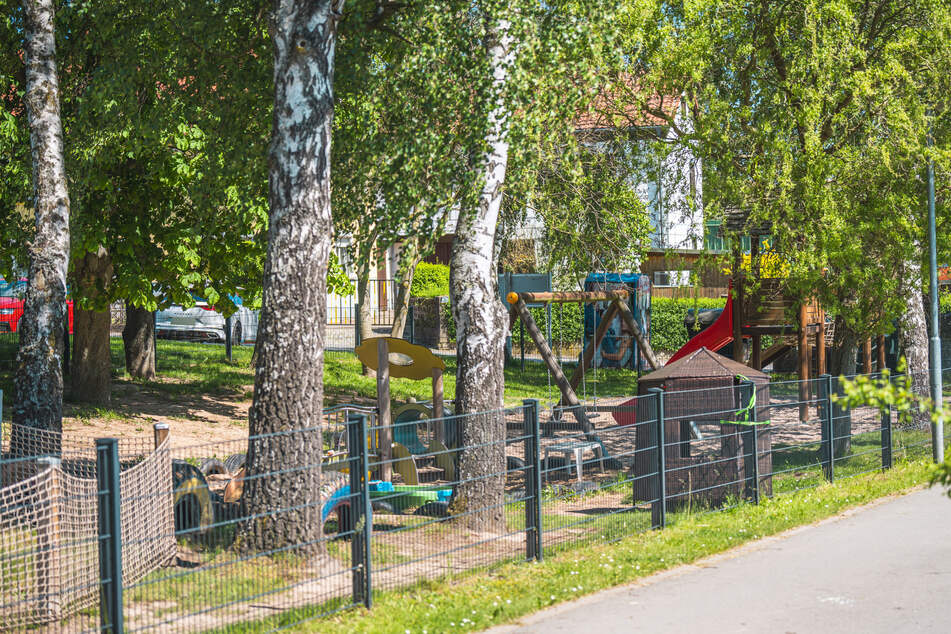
column 668, row 332
column 430, row 280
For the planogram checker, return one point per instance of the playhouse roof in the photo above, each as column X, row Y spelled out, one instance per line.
column 703, row 364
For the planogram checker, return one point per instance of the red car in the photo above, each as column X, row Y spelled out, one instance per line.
column 11, row 305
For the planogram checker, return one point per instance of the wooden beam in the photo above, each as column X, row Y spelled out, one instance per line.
column 756, row 362
column 568, row 394
column 566, row 297
column 881, row 352
column 867, row 356
column 803, row 364
column 738, row 317
column 821, row 343
column 590, row 350
column 383, row 409
column 438, row 406
column 642, row 341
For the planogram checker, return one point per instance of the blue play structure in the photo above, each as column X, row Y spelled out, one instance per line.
column 618, row 348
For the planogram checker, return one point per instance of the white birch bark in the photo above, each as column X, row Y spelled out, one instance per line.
column 38, row 384
column 913, row 333
column 283, row 487
column 479, row 315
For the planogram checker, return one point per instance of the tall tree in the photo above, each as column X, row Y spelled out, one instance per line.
column 38, row 384
column 810, row 116
column 284, row 468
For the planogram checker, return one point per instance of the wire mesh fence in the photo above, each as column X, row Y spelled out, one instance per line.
column 268, row 531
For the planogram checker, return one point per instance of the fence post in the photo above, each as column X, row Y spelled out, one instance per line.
column 828, row 440
column 360, row 510
column 110, row 535
column 159, row 433
column 411, row 318
column 750, row 442
column 228, row 341
column 533, row 481
column 356, row 324
column 659, row 502
column 49, row 582
column 886, row 437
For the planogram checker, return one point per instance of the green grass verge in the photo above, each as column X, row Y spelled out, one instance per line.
column 475, row 601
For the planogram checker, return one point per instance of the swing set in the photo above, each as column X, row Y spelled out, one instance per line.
column 617, row 307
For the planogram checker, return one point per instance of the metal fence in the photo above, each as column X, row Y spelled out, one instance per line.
column 331, row 520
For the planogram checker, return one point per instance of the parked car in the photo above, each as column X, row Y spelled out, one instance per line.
column 11, row 305
column 202, row 323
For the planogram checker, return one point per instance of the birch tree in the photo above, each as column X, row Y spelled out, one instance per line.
column 38, row 384
column 288, row 385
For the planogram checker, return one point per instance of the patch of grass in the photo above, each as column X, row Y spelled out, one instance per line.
column 342, row 378
column 476, row 601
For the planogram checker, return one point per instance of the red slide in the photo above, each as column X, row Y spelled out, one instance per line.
column 714, row 337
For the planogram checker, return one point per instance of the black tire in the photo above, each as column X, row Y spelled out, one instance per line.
column 213, row 466
column 384, row 508
column 236, row 333
column 234, row 462
column 513, row 462
column 433, row 509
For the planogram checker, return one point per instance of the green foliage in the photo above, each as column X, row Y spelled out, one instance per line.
column 567, row 325
column 944, row 300
column 667, row 320
column 430, row 280
column 337, row 281
column 811, row 117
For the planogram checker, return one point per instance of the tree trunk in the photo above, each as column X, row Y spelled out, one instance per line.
column 842, row 363
column 91, row 371
column 282, row 487
column 480, row 319
column 913, row 336
column 138, row 339
column 38, row 383
column 364, row 305
column 409, row 258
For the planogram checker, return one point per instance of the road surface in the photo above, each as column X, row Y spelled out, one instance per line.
column 884, row 568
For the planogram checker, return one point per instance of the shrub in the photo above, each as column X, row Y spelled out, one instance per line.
column 430, row 280
column 566, row 325
column 667, row 320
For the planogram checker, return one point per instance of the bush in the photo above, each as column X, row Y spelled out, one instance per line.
column 430, row 280
column 668, row 332
column 567, row 326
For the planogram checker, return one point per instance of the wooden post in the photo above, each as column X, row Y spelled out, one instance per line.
column 159, row 433
column 589, row 351
column 48, row 555
column 642, row 341
column 804, row 390
column 881, row 352
column 567, row 392
column 757, row 361
column 383, row 407
column 821, row 343
column 438, row 407
column 738, row 355
column 867, row 356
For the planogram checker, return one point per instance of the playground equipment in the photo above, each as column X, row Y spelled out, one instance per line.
column 706, row 457
column 400, row 447
column 617, row 301
column 618, row 348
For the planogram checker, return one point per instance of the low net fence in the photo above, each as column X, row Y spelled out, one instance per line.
column 270, row 531
column 50, row 531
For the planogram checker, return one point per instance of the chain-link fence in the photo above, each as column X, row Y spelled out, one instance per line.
column 268, row 531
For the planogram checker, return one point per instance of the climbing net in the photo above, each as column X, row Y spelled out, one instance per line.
column 49, row 541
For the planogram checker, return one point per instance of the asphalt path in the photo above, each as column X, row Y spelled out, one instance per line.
column 879, row 568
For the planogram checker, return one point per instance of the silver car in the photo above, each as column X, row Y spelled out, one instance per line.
column 202, row 323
